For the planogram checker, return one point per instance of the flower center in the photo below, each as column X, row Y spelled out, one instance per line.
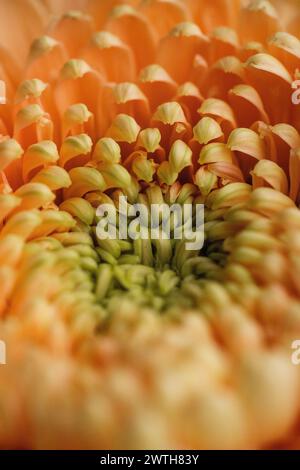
column 157, row 268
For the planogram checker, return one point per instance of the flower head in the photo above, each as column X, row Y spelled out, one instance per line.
column 141, row 342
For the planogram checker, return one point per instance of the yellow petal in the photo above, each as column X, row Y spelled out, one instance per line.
column 149, row 139
column 115, row 175
column 75, row 115
column 107, row 150
column 269, row 64
column 38, row 155
column 123, row 129
column 166, row 174
column 10, row 150
column 180, row 156
column 34, row 196
column 272, row 174
column 74, row 146
column 54, row 177
column 206, row 130
column 234, row 193
column 169, row 113
column 8, row 202
column 205, row 180
column 267, row 201
column 53, row 221
column 11, row 247
column 22, row 224
column 30, row 88
column 215, row 152
column 288, row 134
column 143, row 168
column 79, row 208
column 84, row 180
column 248, row 142
column 218, row 109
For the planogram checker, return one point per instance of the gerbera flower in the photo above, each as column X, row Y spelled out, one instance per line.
column 142, row 343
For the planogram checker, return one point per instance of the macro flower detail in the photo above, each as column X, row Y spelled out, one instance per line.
column 142, row 343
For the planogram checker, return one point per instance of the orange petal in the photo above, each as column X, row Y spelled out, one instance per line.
column 212, row 14
column 78, row 84
column 157, row 85
column 199, row 70
column 171, row 122
column 9, row 74
column 215, row 152
column 77, row 119
column 110, row 56
column 249, row 49
column 23, row 22
column 149, row 140
column 286, row 48
column 189, row 39
column 224, row 42
column 73, row 30
column 249, row 146
column 273, row 83
column 190, row 98
column 30, row 91
column 247, row 105
column 32, row 125
column 132, row 28
column 258, row 21
column 165, row 14
column 100, row 11
column 224, row 75
column 75, row 151
column 123, row 98
column 228, row 172
column 294, row 168
column 38, row 156
column 286, row 137
column 58, row 7
column 35, row 91
column 221, row 111
column 46, row 57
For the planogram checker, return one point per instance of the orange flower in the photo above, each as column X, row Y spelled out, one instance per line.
column 122, row 343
